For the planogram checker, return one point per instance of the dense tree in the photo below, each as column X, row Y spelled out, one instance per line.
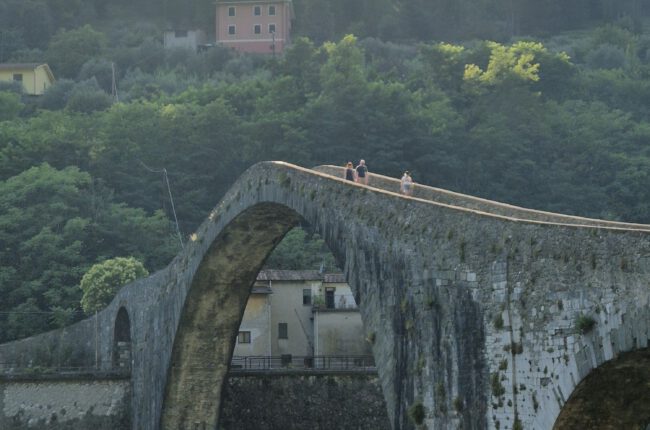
column 103, row 280
column 518, row 122
column 302, row 250
column 10, row 105
column 53, row 225
column 69, row 50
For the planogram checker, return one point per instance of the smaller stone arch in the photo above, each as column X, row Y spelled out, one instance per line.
column 122, row 340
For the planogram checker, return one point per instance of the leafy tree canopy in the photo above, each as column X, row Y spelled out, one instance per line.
column 103, row 280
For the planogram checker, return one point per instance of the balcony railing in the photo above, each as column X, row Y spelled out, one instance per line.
column 344, row 363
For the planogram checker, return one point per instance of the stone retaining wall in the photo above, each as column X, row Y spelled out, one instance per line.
column 303, row 401
column 64, row 404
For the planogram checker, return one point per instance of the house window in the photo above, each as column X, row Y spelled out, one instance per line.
column 283, row 331
column 231, row 11
column 329, row 297
column 271, row 10
column 306, row 297
column 244, row 337
column 18, row 77
column 257, row 29
column 180, row 33
column 257, row 11
column 271, row 28
column 231, row 29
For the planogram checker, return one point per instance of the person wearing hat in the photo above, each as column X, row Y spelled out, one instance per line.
column 406, row 184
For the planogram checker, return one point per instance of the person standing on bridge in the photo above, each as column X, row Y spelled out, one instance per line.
column 350, row 173
column 406, row 184
column 362, row 172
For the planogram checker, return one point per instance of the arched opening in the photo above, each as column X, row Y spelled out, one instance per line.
column 613, row 396
column 213, row 310
column 122, row 341
column 302, row 335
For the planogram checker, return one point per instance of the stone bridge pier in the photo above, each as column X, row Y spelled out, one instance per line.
column 480, row 315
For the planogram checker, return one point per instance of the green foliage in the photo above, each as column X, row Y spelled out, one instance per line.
column 498, row 322
column 301, row 250
column 10, row 105
column 54, row 224
column 88, row 99
column 103, row 280
column 520, row 123
column 416, row 413
column 584, row 323
column 497, row 388
column 69, row 50
column 458, row 404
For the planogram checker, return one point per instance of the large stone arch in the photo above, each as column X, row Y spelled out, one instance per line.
column 614, row 395
column 620, row 334
column 212, row 313
column 470, row 304
column 423, row 328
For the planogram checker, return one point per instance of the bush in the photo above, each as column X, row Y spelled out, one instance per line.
column 99, row 69
column 10, row 105
column 11, row 87
column 416, row 413
column 104, row 280
column 88, row 98
column 585, row 323
column 56, row 96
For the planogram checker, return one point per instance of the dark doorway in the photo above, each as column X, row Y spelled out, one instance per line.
column 122, row 341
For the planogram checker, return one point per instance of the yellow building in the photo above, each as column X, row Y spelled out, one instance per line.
column 36, row 78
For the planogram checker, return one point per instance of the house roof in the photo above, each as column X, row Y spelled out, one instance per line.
column 289, row 275
column 300, row 275
column 28, row 66
column 21, row 66
column 334, row 278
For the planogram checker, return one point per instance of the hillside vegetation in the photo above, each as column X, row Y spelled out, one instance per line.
column 556, row 122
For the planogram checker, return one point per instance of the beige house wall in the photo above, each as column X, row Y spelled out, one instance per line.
column 340, row 332
column 312, row 329
column 35, row 80
column 287, row 307
column 257, row 321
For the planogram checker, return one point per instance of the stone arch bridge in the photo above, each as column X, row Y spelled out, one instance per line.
column 479, row 313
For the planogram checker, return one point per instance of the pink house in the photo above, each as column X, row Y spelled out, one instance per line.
column 254, row 26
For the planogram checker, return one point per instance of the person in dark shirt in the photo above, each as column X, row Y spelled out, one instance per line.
column 362, row 172
column 350, row 173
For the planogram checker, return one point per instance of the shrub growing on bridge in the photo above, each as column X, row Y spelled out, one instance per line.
column 103, row 281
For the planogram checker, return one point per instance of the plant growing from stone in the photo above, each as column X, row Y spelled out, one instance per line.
column 585, row 323
column 103, row 280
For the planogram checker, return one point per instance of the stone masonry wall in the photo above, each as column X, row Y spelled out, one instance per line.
column 293, row 401
column 49, row 404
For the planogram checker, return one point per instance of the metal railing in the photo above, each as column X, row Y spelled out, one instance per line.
column 350, row 363
column 339, row 301
column 9, row 370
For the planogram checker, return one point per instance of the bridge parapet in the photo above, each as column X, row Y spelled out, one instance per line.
column 452, row 198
